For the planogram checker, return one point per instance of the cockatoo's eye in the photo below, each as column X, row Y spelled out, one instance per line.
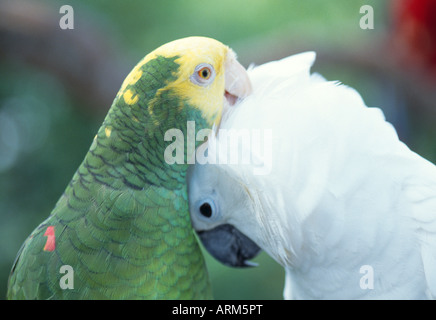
column 207, row 210
column 203, row 74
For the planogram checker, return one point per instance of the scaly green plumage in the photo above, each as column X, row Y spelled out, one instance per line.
column 122, row 224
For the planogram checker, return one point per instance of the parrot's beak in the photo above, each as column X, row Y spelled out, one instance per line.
column 237, row 82
column 229, row 246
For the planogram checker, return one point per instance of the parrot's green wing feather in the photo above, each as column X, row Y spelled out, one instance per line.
column 122, row 225
column 29, row 269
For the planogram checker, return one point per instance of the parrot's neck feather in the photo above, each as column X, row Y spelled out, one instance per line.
column 126, row 207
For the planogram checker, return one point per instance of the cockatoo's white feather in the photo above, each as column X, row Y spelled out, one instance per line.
column 343, row 195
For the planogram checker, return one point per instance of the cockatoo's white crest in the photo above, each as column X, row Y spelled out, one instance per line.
column 343, row 191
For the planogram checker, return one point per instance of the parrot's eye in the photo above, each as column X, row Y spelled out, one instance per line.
column 203, row 74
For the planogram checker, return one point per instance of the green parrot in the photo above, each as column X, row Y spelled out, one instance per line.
column 121, row 229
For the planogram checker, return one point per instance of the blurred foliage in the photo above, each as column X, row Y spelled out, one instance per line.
column 45, row 130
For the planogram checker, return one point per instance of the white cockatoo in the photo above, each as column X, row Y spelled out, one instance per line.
column 329, row 191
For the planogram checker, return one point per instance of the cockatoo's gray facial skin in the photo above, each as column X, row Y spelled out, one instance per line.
column 209, row 205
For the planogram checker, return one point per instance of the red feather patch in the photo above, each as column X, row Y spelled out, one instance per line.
column 50, row 245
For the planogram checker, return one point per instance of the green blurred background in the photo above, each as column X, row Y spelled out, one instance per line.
column 57, row 85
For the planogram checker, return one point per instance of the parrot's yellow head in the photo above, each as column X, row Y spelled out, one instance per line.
column 209, row 77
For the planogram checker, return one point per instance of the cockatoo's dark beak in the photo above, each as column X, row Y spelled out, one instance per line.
column 229, row 246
